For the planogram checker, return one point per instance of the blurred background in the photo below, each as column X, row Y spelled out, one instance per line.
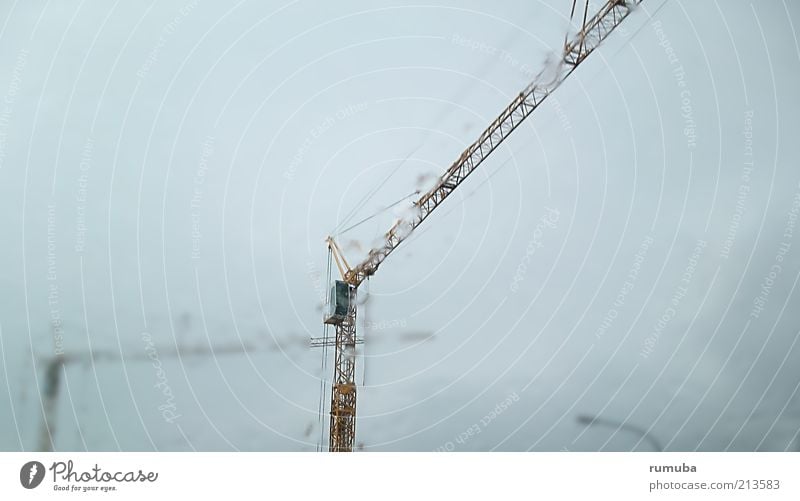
column 620, row 275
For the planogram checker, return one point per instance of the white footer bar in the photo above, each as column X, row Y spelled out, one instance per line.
column 372, row 476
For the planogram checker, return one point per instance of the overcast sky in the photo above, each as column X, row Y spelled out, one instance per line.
column 169, row 172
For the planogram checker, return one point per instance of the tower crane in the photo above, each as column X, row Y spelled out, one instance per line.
column 342, row 304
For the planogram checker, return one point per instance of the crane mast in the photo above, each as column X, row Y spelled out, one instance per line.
column 343, row 391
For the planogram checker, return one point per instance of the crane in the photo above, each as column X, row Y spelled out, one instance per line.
column 342, row 304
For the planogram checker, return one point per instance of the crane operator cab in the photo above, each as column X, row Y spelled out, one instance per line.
column 338, row 305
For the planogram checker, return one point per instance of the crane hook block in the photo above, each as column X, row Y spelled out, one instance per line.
column 339, row 302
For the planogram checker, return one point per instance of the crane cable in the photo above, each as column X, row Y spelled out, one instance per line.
column 379, row 212
column 323, row 364
column 368, row 196
column 366, row 329
column 422, row 143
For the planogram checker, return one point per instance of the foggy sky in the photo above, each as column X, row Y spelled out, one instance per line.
column 169, row 172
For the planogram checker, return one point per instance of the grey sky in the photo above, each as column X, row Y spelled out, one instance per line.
column 169, row 171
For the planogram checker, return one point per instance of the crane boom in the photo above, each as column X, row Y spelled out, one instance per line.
column 343, row 393
column 595, row 30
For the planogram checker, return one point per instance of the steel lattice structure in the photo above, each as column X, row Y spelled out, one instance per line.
column 343, row 394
